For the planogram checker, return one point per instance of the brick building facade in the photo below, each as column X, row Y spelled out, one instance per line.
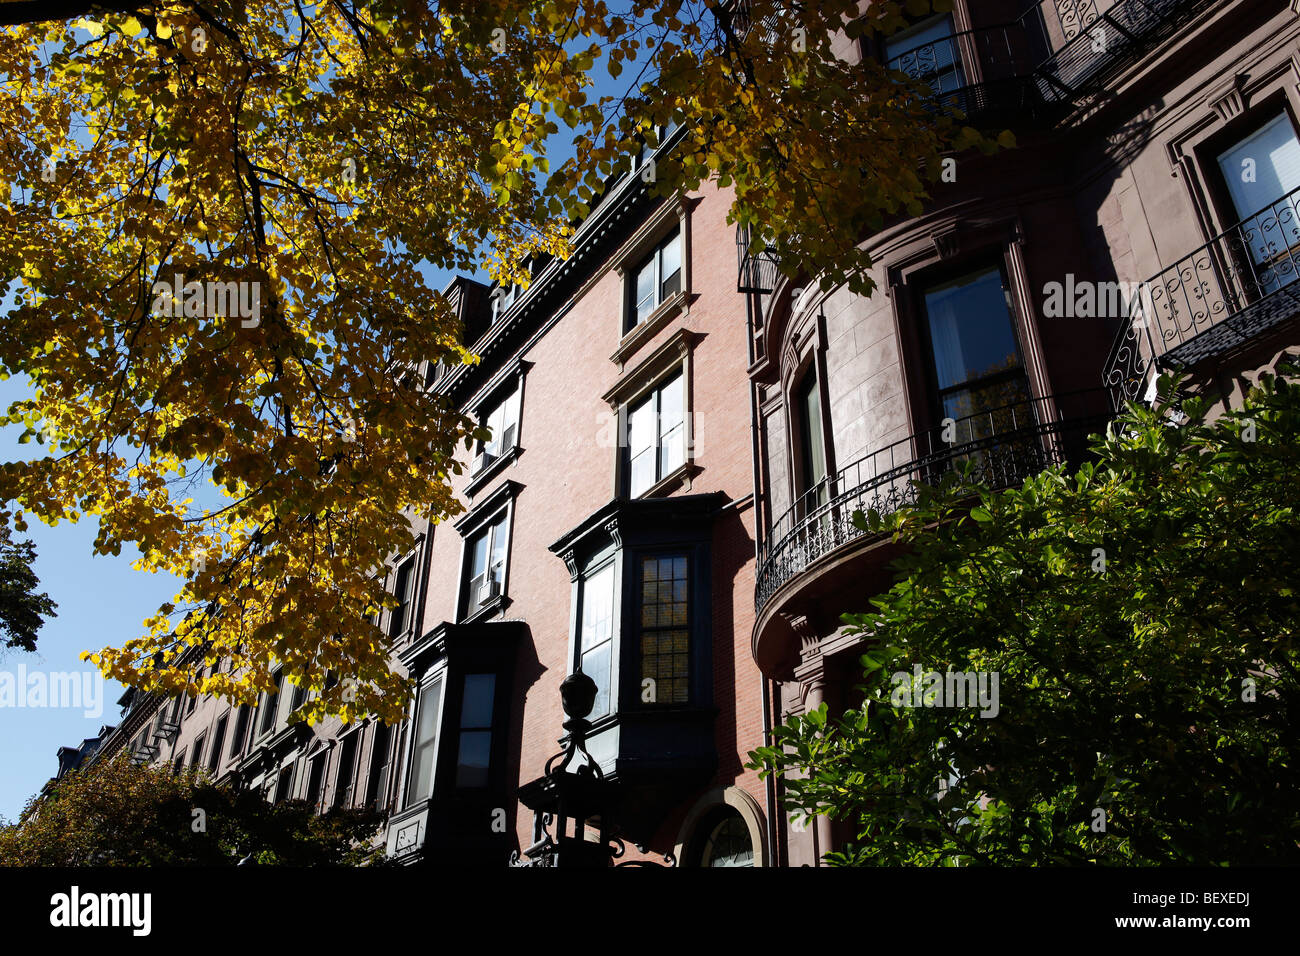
column 677, row 451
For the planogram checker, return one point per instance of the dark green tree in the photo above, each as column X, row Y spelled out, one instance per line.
column 116, row 813
column 1141, row 618
column 22, row 610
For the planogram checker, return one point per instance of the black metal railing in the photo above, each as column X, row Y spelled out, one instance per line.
column 1055, row 52
column 1084, row 37
column 1006, row 445
column 756, row 272
column 1212, row 301
column 977, row 71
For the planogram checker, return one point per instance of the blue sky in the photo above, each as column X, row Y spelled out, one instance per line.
column 102, row 600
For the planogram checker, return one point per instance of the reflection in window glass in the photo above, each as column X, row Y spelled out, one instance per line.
column 473, row 761
column 665, row 628
column 728, row 843
column 656, row 435
column 596, row 638
column 426, row 743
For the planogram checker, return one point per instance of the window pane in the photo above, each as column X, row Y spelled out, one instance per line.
column 478, row 557
column 672, row 453
column 595, row 640
column 498, row 548
column 596, row 665
column 814, row 440
column 645, row 291
column 928, row 52
column 474, row 758
column 1272, row 155
column 643, row 473
column 665, row 635
column 641, row 426
column 971, row 329
column 402, row 589
column 598, row 608
column 476, row 708
column 670, row 269
column 671, row 402
column 641, row 446
column 426, row 743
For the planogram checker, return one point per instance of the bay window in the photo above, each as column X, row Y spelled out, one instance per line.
column 596, row 636
column 665, row 629
column 424, row 741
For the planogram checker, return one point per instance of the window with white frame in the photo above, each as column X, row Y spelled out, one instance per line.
column 404, row 590
column 1262, row 174
column 656, row 441
column 345, row 777
column 656, row 279
column 502, row 420
column 424, row 748
column 595, row 646
column 486, row 550
column 269, row 707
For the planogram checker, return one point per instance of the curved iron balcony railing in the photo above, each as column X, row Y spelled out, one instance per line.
column 982, row 70
column 1213, row 301
column 1006, row 444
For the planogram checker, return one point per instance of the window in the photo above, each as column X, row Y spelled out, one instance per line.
column 976, row 355
column 218, row 741
column 1262, row 173
column 506, row 296
column 813, row 464
column 596, row 638
column 1263, row 167
column 241, row 731
column 282, row 784
column 346, row 776
column 315, row 778
column 404, row 591
column 928, row 52
column 377, row 778
column 474, row 753
column 665, row 635
column 656, row 443
column 179, row 763
column 271, row 704
column 299, row 697
column 197, row 755
column 656, row 279
column 726, row 841
column 424, row 751
column 487, row 550
column 502, row 419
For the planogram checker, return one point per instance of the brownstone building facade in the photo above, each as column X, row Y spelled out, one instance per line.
column 1146, row 222
column 679, row 444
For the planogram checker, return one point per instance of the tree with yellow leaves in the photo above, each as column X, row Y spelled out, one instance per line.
column 216, row 216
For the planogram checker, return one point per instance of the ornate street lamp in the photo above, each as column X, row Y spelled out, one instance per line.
column 582, row 794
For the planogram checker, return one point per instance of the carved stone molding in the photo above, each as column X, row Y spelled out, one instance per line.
column 809, row 642
column 945, row 243
column 1230, row 103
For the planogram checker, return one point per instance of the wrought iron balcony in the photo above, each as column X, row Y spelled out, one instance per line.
column 1057, row 51
column 756, row 272
column 1084, row 37
column 988, row 70
column 1006, row 445
column 1214, row 301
